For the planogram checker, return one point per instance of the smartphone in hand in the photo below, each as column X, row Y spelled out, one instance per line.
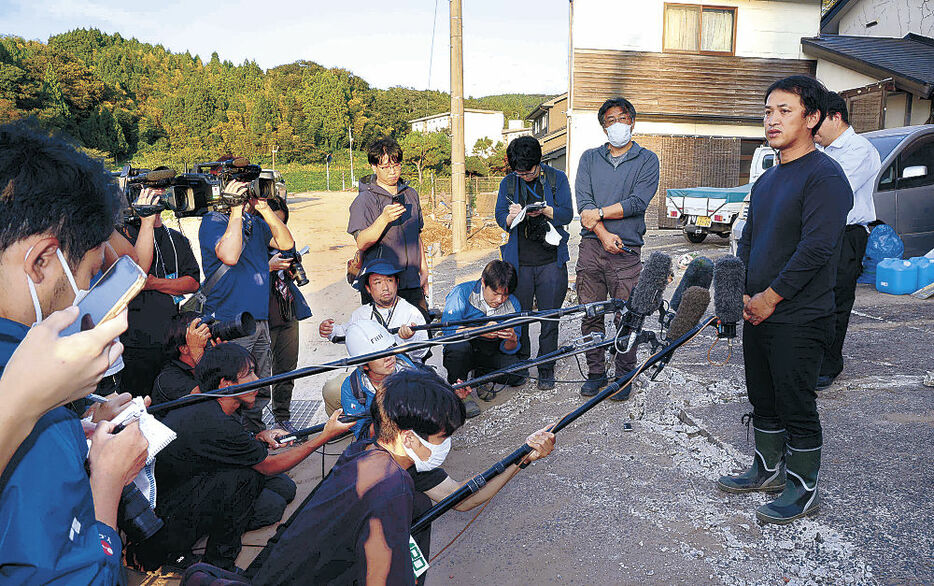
column 109, row 296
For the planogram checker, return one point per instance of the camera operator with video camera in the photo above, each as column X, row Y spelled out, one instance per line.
column 58, row 501
column 172, row 272
column 216, row 478
column 240, row 239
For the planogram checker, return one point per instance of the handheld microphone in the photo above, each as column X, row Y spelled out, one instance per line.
column 698, row 274
column 646, row 296
column 692, row 308
column 729, row 283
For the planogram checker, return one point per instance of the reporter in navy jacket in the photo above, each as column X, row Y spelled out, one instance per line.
column 538, row 245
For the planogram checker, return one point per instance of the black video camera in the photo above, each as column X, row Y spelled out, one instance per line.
column 237, row 169
column 239, row 327
column 186, row 194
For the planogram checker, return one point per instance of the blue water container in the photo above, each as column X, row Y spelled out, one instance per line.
column 896, row 276
column 925, row 270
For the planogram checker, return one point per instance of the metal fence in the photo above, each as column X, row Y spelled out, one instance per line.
column 435, row 194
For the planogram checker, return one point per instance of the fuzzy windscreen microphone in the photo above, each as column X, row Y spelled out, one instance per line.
column 698, row 274
column 646, row 296
column 729, row 284
column 693, row 306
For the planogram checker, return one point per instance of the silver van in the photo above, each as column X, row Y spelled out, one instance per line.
column 904, row 190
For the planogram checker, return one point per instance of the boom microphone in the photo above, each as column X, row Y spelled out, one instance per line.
column 690, row 311
column 698, row 274
column 729, row 283
column 646, row 296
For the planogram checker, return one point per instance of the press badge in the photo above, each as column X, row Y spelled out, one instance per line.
column 177, row 298
column 419, row 563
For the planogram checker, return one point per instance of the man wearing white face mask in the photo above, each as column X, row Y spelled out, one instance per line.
column 615, row 184
column 57, row 208
column 355, row 529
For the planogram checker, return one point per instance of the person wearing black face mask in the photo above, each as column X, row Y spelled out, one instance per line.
column 537, row 244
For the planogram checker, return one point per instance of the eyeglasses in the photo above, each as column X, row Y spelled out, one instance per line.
column 607, row 122
column 389, row 166
column 530, row 173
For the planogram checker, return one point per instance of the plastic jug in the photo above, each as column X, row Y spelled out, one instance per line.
column 896, row 276
column 925, row 270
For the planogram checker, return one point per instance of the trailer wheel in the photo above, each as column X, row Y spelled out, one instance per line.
column 695, row 237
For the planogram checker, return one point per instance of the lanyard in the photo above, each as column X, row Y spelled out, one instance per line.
column 165, row 274
column 374, row 313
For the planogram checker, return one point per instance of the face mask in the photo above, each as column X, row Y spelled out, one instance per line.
column 619, row 134
column 438, row 454
column 79, row 293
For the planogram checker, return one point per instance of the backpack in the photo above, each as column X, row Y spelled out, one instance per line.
column 550, row 175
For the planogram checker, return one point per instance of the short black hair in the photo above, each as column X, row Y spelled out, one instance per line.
column 276, row 203
column 384, row 147
column 813, row 95
column 175, row 333
column 837, row 105
column 499, row 274
column 48, row 186
column 623, row 103
column 226, row 361
column 417, row 399
column 524, row 153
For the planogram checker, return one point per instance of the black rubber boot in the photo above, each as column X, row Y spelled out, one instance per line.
column 594, row 383
column 767, row 473
column 800, row 495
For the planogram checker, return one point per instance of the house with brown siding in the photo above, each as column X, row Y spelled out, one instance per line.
column 696, row 74
column 550, row 126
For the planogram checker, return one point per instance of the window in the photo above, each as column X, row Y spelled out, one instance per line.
column 691, row 28
column 916, row 165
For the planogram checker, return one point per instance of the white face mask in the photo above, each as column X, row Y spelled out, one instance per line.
column 438, row 454
column 619, row 134
column 79, row 293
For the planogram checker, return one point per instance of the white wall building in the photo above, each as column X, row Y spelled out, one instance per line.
column 477, row 124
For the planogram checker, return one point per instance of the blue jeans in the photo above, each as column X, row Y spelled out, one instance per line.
column 260, row 346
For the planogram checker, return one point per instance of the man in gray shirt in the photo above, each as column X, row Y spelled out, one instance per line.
column 615, row 184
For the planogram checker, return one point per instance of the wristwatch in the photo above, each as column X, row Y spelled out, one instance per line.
column 601, row 213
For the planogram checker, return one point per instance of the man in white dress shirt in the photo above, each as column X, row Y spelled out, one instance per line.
column 861, row 164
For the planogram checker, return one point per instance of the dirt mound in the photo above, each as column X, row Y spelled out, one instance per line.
column 482, row 233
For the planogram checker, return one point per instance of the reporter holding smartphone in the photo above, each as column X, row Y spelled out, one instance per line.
column 240, row 238
column 386, row 222
column 58, row 208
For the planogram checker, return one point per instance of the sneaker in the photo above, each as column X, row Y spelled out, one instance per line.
column 824, row 381
column 486, row 392
column 546, row 381
column 472, row 408
column 594, row 383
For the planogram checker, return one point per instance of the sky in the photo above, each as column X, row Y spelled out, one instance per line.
column 510, row 46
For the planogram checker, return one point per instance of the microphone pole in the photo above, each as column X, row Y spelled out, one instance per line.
column 477, row 482
column 594, row 308
column 581, row 346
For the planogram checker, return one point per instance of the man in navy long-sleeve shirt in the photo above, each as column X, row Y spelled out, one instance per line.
column 790, row 246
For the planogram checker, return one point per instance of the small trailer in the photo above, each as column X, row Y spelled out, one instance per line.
column 703, row 210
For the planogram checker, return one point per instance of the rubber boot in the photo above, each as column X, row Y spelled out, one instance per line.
column 767, row 473
column 800, row 495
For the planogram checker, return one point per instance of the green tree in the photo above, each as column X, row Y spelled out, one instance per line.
column 426, row 151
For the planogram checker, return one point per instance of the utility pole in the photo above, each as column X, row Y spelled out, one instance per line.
column 350, row 148
column 458, row 167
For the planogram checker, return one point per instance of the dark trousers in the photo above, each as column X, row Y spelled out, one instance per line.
column 268, row 508
column 480, row 356
column 414, row 295
column 140, row 367
column 601, row 275
column 546, row 286
column 218, row 504
column 259, row 346
column 110, row 384
column 284, row 343
column 782, row 362
column 848, row 270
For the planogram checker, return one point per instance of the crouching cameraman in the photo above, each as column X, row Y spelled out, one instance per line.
column 59, row 523
column 186, row 338
column 216, row 478
column 237, row 242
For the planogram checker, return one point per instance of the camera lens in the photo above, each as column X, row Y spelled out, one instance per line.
column 241, row 326
column 135, row 517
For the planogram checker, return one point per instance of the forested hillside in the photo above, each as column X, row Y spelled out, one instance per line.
column 127, row 100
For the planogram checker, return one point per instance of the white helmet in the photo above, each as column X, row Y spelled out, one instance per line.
column 366, row 336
